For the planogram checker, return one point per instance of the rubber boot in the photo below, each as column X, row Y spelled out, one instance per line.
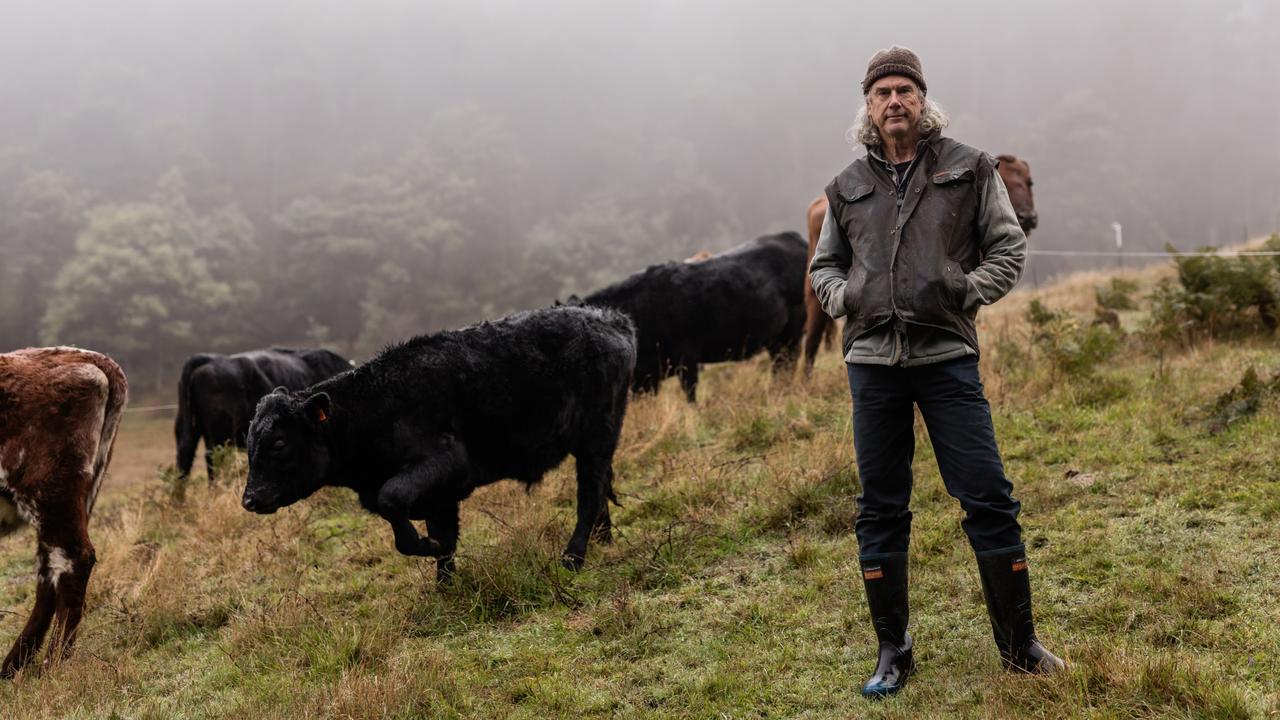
column 1006, row 585
column 885, row 578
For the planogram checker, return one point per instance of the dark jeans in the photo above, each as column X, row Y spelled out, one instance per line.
column 958, row 418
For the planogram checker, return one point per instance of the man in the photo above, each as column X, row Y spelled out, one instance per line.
column 919, row 233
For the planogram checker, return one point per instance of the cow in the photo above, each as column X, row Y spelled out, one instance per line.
column 217, row 394
column 1016, row 175
column 416, row 429
column 59, row 411
column 816, row 323
column 727, row 307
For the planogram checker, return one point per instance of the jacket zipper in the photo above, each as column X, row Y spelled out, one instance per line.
column 900, row 347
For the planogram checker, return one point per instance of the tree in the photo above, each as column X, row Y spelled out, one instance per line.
column 44, row 214
column 145, row 283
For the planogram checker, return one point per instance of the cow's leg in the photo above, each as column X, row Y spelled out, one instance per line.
column 812, row 340
column 413, row 488
column 218, row 431
column 442, row 527
column 602, row 531
column 783, row 359
column 70, row 581
column 394, row 501
column 688, row 372
column 591, row 503
column 816, row 324
column 28, row 642
column 187, row 451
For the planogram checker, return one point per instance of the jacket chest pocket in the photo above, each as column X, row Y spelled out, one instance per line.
column 950, row 208
column 856, row 216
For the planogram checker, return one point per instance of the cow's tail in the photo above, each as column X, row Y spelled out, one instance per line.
column 117, row 396
column 187, row 424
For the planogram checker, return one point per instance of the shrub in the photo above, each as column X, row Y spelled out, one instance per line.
column 1116, row 296
column 1240, row 402
column 1220, row 295
column 1071, row 349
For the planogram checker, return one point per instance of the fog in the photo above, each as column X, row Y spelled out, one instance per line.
column 555, row 146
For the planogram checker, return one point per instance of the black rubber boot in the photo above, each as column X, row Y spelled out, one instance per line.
column 1006, row 585
column 885, row 579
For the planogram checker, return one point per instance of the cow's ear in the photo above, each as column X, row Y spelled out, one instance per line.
column 317, row 407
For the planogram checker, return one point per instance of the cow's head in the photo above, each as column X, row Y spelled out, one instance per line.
column 1017, row 178
column 289, row 451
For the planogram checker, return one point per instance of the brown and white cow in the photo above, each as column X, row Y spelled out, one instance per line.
column 59, row 411
column 1016, row 175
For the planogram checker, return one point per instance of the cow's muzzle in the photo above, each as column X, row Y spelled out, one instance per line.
column 1028, row 221
column 255, row 503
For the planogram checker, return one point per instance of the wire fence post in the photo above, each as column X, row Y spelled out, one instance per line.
column 1115, row 226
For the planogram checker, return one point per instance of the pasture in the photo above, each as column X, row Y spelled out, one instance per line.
column 731, row 589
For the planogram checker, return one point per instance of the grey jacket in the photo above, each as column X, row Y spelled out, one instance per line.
column 988, row 255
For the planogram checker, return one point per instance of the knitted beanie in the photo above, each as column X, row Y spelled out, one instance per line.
column 894, row 61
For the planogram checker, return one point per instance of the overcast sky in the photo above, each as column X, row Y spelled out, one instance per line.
column 1161, row 114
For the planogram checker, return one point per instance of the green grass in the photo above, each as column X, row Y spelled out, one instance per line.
column 731, row 589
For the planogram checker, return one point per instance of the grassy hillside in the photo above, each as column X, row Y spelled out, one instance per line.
column 732, row 588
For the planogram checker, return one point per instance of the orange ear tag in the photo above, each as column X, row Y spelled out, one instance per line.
column 321, row 417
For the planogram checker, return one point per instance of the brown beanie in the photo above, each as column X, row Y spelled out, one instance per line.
column 894, row 61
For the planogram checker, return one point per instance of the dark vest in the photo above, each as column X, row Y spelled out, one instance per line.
column 916, row 271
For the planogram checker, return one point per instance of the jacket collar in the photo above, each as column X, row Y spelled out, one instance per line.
column 927, row 141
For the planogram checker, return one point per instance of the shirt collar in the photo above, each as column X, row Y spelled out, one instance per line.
column 925, row 140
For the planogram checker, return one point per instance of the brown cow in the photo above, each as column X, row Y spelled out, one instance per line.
column 59, row 411
column 817, row 324
column 1017, row 178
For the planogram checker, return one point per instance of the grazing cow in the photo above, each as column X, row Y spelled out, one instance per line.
column 418, row 428
column 1016, row 175
column 59, row 411
column 217, row 394
column 727, row 307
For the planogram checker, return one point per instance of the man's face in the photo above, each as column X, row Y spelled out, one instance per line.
column 895, row 103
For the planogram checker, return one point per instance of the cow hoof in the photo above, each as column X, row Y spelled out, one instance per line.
column 572, row 562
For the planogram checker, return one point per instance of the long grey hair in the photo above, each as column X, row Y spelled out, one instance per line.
column 864, row 132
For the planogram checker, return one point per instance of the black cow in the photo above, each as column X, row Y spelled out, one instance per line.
column 727, row 307
column 217, row 394
column 418, row 428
